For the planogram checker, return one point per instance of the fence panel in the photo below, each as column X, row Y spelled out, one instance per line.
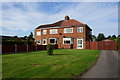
column 101, row 45
column 31, row 47
column 21, row 48
column 87, row 44
column 109, row 45
column 94, row 45
column 8, row 49
column 41, row 47
column 55, row 46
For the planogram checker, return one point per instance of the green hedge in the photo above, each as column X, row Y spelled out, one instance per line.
column 118, row 43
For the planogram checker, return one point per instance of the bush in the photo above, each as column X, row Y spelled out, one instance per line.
column 118, row 43
column 50, row 49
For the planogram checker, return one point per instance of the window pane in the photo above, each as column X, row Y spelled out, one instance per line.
column 44, row 31
column 37, row 41
column 52, row 40
column 44, row 42
column 80, row 29
column 53, row 31
column 68, row 30
column 66, row 42
column 38, row 33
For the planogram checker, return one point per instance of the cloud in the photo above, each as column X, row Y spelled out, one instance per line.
column 25, row 17
column 60, row 0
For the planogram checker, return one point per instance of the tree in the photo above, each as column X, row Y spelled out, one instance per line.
column 31, row 35
column 113, row 36
column 118, row 36
column 100, row 37
column 25, row 37
column 93, row 38
column 15, row 38
column 109, row 37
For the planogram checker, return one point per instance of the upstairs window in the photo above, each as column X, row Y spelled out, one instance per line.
column 80, row 29
column 44, row 31
column 38, row 33
column 53, row 31
column 68, row 30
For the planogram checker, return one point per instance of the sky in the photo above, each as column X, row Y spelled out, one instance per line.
column 21, row 18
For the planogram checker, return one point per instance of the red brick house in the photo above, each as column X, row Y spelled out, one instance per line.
column 68, row 33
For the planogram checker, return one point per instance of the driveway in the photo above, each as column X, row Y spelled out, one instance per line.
column 105, row 67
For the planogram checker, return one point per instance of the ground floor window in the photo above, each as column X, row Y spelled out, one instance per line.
column 67, row 41
column 53, row 40
column 44, row 41
column 37, row 41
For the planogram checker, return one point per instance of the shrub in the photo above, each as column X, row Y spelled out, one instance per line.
column 50, row 49
column 118, row 43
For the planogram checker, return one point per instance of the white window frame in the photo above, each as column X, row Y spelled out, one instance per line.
column 81, row 29
column 38, row 33
column 43, row 41
column 65, row 30
column 52, row 30
column 55, row 40
column 44, row 31
column 67, row 39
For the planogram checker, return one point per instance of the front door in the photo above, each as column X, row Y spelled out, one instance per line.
column 79, row 43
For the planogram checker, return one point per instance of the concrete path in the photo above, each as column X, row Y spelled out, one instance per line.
column 105, row 67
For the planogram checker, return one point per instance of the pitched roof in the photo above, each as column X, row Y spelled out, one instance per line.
column 51, row 25
column 70, row 22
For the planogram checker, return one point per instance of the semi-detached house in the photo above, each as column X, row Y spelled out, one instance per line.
column 67, row 33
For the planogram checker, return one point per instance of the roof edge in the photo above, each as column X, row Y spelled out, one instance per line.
column 62, row 26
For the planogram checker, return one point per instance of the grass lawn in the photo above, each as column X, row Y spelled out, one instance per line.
column 66, row 63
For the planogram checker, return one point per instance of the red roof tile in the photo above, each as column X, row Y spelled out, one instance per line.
column 70, row 22
column 51, row 25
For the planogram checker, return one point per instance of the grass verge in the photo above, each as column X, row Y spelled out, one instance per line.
column 65, row 63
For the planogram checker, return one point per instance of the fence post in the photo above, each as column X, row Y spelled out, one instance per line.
column 15, row 48
column 27, row 47
column 89, row 44
column 36, row 47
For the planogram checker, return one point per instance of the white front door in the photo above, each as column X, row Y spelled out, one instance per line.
column 79, row 43
column 44, row 41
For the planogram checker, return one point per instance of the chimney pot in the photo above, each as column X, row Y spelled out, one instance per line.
column 67, row 18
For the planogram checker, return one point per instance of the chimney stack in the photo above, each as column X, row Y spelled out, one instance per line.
column 67, row 18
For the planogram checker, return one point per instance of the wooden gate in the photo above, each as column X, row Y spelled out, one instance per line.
column 102, row 45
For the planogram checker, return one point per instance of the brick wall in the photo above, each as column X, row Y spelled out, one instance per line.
column 75, row 35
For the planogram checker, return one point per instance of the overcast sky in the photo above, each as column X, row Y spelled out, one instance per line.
column 21, row 18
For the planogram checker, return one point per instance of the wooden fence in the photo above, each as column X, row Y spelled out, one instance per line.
column 23, row 48
column 101, row 45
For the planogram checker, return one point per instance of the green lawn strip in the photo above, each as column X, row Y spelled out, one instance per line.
column 66, row 63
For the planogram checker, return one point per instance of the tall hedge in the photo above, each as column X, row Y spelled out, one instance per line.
column 118, row 43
